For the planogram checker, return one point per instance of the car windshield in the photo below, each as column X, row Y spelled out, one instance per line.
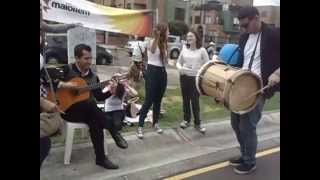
column 171, row 39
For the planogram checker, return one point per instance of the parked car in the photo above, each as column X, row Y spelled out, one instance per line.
column 131, row 44
column 211, row 49
column 55, row 51
column 174, row 46
column 104, row 56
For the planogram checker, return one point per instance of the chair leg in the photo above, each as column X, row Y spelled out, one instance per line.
column 68, row 144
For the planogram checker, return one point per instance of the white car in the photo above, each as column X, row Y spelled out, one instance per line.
column 174, row 46
column 130, row 46
column 138, row 49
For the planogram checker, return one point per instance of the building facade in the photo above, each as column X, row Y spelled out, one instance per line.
column 216, row 18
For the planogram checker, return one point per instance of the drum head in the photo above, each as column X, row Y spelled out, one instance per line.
column 244, row 84
column 199, row 76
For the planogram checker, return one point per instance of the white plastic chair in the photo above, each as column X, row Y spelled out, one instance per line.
column 70, row 128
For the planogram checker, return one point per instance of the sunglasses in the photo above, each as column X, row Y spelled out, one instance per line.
column 245, row 25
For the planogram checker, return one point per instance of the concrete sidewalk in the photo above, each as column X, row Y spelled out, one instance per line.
column 158, row 156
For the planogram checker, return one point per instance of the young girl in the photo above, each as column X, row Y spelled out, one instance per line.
column 189, row 62
column 114, row 109
column 155, row 77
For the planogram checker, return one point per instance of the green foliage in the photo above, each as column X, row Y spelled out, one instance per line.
column 178, row 28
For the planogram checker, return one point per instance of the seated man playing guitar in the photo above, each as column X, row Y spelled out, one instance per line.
column 78, row 100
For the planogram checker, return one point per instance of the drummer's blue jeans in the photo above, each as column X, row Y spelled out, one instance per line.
column 245, row 126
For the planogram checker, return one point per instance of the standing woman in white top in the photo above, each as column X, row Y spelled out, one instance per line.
column 189, row 62
column 155, row 77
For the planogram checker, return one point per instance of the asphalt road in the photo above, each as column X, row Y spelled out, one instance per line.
column 268, row 168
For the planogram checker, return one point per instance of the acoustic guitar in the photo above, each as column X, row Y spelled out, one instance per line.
column 67, row 97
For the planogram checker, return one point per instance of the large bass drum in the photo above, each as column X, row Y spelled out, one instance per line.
column 233, row 85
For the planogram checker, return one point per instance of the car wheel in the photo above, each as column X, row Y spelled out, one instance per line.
column 174, row 54
column 52, row 60
column 103, row 60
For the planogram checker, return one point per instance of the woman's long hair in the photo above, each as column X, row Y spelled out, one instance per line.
column 162, row 43
column 120, row 90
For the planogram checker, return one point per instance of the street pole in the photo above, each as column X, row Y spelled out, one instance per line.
column 187, row 18
column 201, row 13
column 157, row 16
column 202, row 22
column 151, row 4
column 106, row 34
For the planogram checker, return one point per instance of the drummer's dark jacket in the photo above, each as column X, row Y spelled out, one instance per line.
column 269, row 52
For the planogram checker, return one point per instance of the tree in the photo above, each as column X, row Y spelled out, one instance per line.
column 178, row 28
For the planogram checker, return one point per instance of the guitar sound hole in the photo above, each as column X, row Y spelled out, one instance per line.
column 75, row 92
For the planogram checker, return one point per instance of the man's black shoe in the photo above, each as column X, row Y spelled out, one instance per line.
column 236, row 162
column 106, row 163
column 119, row 140
column 244, row 169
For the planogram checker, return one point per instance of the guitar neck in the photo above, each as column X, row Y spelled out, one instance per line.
column 95, row 86
column 101, row 84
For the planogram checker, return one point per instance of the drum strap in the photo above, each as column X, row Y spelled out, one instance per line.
column 142, row 54
column 254, row 52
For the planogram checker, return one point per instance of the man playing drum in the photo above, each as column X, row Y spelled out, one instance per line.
column 260, row 54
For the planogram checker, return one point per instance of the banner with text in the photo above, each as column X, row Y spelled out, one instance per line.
column 95, row 16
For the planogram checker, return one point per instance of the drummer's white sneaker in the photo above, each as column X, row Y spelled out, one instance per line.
column 140, row 132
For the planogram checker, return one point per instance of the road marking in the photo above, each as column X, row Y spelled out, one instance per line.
column 267, row 152
column 218, row 166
